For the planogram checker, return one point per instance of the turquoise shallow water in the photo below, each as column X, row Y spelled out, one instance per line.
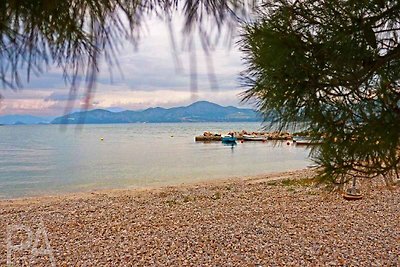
column 44, row 159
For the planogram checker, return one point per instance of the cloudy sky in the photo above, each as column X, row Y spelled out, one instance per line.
column 150, row 77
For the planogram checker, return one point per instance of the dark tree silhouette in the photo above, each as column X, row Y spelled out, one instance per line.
column 334, row 66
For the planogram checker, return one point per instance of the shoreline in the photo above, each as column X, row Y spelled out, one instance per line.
column 299, row 173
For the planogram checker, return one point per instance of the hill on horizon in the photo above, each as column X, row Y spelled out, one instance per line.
column 24, row 119
column 201, row 111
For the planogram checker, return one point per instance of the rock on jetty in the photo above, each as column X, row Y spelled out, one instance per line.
column 209, row 136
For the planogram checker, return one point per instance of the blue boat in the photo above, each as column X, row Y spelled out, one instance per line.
column 228, row 139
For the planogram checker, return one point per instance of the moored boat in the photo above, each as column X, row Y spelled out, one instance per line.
column 254, row 138
column 228, row 139
column 306, row 141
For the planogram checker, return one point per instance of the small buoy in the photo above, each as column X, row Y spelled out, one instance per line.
column 102, row 139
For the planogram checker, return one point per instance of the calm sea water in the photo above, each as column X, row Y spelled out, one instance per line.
column 44, row 159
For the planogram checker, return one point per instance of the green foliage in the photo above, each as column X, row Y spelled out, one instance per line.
column 333, row 65
column 217, row 195
column 305, row 182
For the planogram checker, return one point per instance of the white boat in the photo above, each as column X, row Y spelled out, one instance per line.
column 254, row 138
column 306, row 141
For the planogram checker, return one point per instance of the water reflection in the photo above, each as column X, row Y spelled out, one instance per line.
column 232, row 145
column 46, row 160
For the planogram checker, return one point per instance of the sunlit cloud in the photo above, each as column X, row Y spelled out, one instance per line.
column 163, row 98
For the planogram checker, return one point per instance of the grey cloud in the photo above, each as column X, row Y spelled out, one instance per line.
column 150, row 69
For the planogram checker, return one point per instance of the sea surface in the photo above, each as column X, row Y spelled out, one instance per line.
column 49, row 159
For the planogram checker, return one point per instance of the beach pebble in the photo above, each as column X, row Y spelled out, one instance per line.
column 253, row 222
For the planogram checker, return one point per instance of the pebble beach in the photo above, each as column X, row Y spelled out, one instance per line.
column 281, row 219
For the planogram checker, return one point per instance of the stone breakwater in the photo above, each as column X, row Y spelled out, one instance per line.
column 209, row 136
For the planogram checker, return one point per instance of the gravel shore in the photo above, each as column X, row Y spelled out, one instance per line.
column 259, row 221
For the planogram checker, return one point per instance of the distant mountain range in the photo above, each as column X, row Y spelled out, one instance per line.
column 24, row 119
column 201, row 111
